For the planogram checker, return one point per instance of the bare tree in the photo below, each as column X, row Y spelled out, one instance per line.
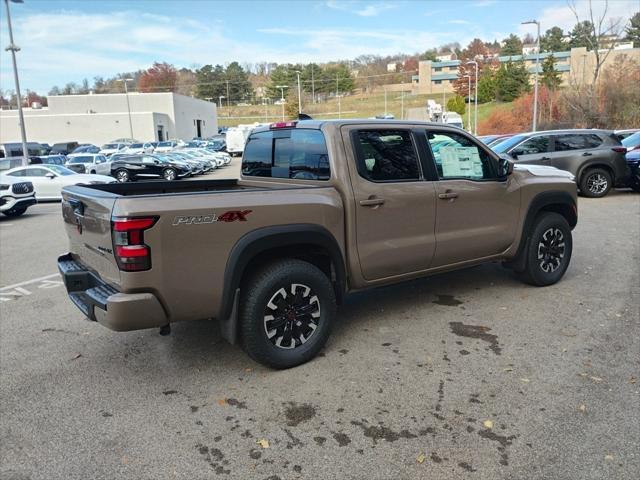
column 605, row 33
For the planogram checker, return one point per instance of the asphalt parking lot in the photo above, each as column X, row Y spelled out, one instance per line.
column 470, row 374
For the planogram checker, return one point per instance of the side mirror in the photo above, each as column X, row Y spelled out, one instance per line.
column 50, row 176
column 505, row 166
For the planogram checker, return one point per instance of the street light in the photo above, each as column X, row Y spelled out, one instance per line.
column 469, row 109
column 282, row 100
column 13, row 48
column 126, row 93
column 220, row 100
column 535, row 82
column 475, row 99
column 299, row 94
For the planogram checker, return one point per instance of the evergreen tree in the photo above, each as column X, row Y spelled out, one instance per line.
column 486, row 87
column 239, row 87
column 552, row 41
column 633, row 30
column 583, row 35
column 550, row 76
column 211, row 82
column 456, row 104
column 512, row 45
column 512, row 79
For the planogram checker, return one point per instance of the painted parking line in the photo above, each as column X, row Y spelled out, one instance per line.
column 18, row 290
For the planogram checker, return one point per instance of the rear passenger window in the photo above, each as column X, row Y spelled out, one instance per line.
column 386, row 155
column 570, row 141
column 592, row 141
column 292, row 153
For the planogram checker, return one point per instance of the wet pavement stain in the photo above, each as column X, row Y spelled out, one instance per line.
column 435, row 458
column 295, row 441
column 476, row 331
column 504, row 442
column 380, row 432
column 255, row 454
column 236, row 403
column 440, row 396
column 319, row 440
column 296, row 414
column 342, row 439
column 467, row 467
column 169, row 392
column 344, row 351
column 447, row 300
column 215, row 458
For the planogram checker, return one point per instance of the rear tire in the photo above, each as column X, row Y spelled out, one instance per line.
column 595, row 183
column 15, row 212
column 122, row 176
column 548, row 250
column 286, row 313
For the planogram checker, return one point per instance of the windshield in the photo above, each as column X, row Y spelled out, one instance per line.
column 502, row 147
column 136, row 145
column 60, row 170
column 80, row 160
column 632, row 140
column 165, row 144
column 110, row 146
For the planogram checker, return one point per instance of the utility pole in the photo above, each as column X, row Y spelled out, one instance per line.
column 475, row 99
column 299, row 93
column 385, row 100
column 227, row 93
column 282, row 100
column 126, row 93
column 402, row 105
column 13, row 48
column 535, row 77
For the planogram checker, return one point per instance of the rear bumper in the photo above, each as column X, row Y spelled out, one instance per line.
column 102, row 303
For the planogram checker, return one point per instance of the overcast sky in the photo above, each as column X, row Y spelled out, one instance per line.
column 63, row 41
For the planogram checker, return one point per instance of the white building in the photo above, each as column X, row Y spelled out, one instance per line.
column 101, row 118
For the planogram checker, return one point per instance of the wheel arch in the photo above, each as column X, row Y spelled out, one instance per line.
column 553, row 201
column 309, row 242
column 590, row 166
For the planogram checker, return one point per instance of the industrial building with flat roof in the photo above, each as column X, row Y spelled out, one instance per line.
column 101, row 118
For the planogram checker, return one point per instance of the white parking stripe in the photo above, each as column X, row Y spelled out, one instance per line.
column 28, row 282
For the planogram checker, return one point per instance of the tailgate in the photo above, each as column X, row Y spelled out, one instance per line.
column 87, row 220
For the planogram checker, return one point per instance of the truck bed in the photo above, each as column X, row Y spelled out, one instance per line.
column 162, row 187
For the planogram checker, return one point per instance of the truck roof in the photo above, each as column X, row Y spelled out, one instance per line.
column 318, row 124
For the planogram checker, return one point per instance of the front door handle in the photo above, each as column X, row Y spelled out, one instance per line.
column 372, row 201
column 448, row 194
column 587, row 154
column 545, row 158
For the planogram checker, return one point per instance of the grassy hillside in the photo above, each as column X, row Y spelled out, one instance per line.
column 353, row 106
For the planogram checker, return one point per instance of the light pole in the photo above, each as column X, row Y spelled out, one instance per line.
column 299, row 93
column 126, row 94
column 469, row 109
column 13, row 48
column 228, row 99
column 220, row 100
column 535, row 81
column 385, row 100
column 475, row 99
column 282, row 101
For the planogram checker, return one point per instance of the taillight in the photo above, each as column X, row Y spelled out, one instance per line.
column 132, row 255
column 637, row 147
column 619, row 149
column 282, row 125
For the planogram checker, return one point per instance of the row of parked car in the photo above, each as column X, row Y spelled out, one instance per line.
column 599, row 159
column 46, row 176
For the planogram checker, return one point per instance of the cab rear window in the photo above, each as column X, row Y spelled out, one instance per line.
column 299, row 154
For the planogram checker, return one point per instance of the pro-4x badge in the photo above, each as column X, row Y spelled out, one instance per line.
column 230, row 216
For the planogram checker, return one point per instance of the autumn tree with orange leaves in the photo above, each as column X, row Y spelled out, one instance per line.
column 161, row 77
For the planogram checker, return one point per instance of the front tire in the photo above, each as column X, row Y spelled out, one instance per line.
column 595, row 183
column 548, row 250
column 15, row 212
column 122, row 176
column 287, row 310
column 169, row 174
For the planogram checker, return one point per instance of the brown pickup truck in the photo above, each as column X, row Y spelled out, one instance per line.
column 323, row 208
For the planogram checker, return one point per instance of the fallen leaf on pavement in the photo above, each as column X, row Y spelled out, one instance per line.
column 222, row 402
column 582, row 408
column 421, row 458
column 248, row 370
column 632, row 380
column 608, row 457
column 488, row 424
column 595, row 379
column 78, row 355
column 508, row 369
column 525, row 380
column 263, row 443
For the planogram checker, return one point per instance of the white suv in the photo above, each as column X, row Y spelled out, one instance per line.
column 16, row 196
column 89, row 163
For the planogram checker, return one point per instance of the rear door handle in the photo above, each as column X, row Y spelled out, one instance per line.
column 447, row 195
column 545, row 158
column 587, row 154
column 372, row 202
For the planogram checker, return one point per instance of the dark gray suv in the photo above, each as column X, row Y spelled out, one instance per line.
column 595, row 157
